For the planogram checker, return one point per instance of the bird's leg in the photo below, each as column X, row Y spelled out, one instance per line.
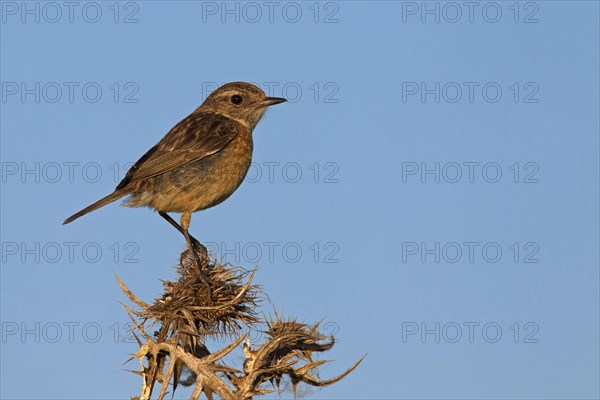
column 199, row 246
column 186, row 218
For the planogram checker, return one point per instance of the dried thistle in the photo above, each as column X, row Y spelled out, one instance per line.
column 187, row 314
column 188, row 304
column 287, row 351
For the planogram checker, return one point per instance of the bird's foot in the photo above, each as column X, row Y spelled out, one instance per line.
column 201, row 261
column 200, row 252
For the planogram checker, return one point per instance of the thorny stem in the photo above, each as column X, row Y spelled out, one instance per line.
column 187, row 315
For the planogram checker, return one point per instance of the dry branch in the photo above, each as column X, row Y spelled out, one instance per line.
column 187, row 314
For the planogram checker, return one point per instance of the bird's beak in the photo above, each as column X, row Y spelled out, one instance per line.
column 271, row 101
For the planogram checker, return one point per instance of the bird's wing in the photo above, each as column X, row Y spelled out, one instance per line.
column 197, row 136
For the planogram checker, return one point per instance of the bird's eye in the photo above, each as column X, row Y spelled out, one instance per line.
column 236, row 99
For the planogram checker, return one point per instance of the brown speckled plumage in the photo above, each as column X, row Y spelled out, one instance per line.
column 201, row 161
column 199, row 184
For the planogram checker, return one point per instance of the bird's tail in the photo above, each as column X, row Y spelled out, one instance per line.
column 116, row 195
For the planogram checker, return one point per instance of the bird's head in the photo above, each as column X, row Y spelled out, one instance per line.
column 241, row 101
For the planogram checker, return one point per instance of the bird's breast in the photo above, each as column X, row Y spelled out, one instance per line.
column 201, row 184
column 231, row 166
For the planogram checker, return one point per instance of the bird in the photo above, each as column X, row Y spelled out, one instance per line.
column 200, row 162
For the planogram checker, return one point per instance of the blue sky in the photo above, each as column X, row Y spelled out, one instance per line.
column 430, row 190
